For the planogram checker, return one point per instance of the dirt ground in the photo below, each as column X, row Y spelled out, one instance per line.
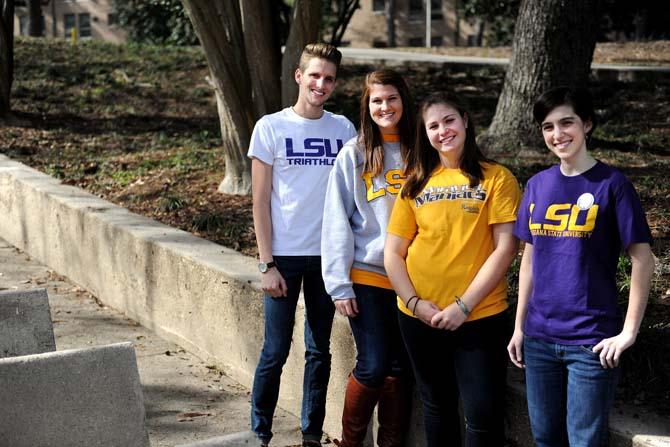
column 138, row 126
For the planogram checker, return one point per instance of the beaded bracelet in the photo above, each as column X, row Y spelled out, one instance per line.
column 462, row 306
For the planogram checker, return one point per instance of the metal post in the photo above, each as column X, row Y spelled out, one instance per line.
column 428, row 23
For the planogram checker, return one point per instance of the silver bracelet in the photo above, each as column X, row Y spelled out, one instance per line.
column 462, row 306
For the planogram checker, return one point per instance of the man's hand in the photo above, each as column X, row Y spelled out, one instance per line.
column 273, row 283
column 347, row 307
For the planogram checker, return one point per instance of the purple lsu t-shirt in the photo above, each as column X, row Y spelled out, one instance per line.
column 577, row 226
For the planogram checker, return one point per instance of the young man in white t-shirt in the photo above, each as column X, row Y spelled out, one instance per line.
column 292, row 154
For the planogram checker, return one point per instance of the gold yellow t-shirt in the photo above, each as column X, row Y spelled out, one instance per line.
column 449, row 224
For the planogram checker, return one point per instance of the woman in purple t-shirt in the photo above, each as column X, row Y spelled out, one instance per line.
column 569, row 334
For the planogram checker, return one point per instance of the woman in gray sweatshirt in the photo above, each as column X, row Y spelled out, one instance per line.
column 362, row 187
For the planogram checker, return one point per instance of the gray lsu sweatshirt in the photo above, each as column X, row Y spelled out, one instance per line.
column 356, row 214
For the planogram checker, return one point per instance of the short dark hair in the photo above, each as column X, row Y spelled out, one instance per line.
column 578, row 98
column 321, row 51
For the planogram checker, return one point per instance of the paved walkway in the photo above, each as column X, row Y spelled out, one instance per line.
column 375, row 54
column 185, row 400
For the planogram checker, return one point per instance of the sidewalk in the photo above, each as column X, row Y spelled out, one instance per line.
column 399, row 56
column 185, row 400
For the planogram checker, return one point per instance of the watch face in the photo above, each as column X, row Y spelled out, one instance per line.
column 263, row 267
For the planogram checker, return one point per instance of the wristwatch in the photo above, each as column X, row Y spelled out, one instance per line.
column 264, row 267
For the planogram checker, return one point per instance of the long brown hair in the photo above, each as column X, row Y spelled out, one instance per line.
column 424, row 158
column 369, row 134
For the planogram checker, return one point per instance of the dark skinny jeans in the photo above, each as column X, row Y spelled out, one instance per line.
column 472, row 362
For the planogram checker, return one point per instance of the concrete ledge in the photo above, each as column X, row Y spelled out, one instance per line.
column 190, row 291
column 25, row 323
column 195, row 293
column 76, row 398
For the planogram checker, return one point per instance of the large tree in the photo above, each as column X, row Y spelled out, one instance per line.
column 34, row 18
column 156, row 22
column 553, row 45
column 6, row 54
column 338, row 14
column 241, row 44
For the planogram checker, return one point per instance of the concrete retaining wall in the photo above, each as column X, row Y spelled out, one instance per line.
column 193, row 292
column 25, row 323
column 198, row 294
column 76, row 398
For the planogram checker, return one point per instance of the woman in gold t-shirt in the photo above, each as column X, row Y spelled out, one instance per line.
column 448, row 248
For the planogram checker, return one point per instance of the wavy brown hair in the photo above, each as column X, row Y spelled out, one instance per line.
column 424, row 158
column 370, row 136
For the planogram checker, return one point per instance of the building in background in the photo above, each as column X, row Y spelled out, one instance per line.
column 368, row 26
column 92, row 19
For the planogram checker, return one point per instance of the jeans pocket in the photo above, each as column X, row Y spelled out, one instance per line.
column 588, row 349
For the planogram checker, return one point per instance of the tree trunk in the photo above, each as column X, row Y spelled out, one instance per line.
column 481, row 26
column 263, row 54
column 457, row 28
column 305, row 21
column 6, row 55
column 553, row 45
column 219, row 28
column 390, row 22
column 345, row 11
column 34, row 18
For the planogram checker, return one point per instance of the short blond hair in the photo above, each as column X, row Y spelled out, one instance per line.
column 321, row 51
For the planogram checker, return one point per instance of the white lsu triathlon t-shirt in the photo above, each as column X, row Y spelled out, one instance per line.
column 302, row 152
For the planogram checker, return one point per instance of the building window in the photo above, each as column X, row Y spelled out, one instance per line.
column 436, row 9
column 23, row 25
column 416, row 7
column 378, row 5
column 436, row 41
column 85, row 25
column 69, row 23
column 415, row 42
column 112, row 19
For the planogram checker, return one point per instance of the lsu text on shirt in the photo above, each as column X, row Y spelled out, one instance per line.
column 356, row 214
column 577, row 226
column 302, row 152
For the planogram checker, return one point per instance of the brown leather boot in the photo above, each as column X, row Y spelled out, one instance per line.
column 393, row 412
column 359, row 403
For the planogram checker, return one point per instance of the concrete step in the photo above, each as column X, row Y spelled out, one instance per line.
column 75, row 398
column 25, row 323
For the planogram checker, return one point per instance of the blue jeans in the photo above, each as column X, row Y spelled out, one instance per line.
column 569, row 394
column 472, row 361
column 379, row 347
column 279, row 321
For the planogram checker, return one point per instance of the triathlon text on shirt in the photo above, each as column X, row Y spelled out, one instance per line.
column 562, row 220
column 315, row 152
